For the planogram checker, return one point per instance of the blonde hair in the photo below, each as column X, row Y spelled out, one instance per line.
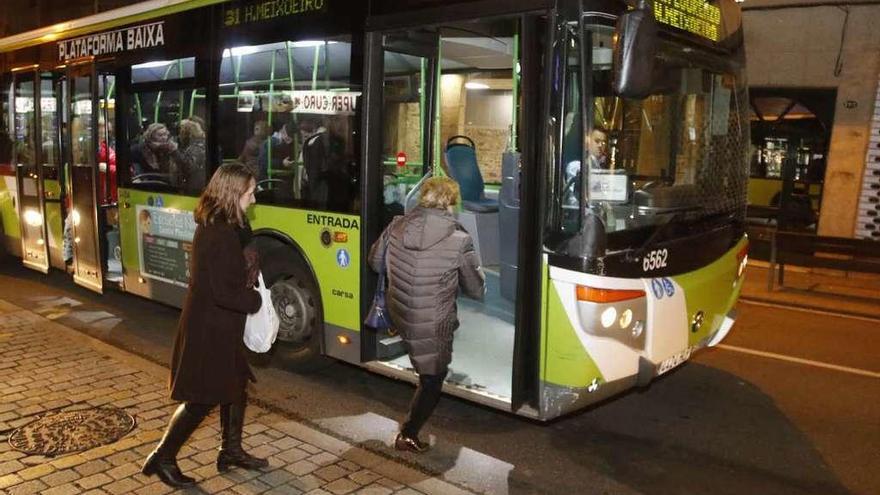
column 189, row 130
column 439, row 192
column 220, row 201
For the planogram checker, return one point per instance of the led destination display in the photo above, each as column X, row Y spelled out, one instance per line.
column 694, row 16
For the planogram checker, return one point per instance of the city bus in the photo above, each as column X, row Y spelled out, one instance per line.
column 600, row 146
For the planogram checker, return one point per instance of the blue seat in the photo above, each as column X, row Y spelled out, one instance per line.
column 462, row 161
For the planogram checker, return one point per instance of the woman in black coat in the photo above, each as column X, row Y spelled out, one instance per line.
column 208, row 365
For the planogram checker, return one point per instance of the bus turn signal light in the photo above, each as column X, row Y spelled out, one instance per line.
column 591, row 294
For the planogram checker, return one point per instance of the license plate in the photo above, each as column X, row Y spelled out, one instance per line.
column 674, row 360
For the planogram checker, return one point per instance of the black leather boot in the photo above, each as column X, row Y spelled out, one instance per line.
column 163, row 460
column 231, row 454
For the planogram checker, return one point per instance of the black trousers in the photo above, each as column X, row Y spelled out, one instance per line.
column 423, row 404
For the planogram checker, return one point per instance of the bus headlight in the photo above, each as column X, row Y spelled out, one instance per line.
column 33, row 218
column 608, row 316
column 626, row 317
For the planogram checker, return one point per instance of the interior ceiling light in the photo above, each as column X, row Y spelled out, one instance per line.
column 476, row 85
column 152, row 65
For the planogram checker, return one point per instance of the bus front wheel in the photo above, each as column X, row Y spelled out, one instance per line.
column 296, row 300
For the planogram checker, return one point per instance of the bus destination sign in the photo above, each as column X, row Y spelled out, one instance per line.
column 694, row 16
column 111, row 42
column 264, row 10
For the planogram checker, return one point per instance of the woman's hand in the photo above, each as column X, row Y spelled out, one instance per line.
column 252, row 265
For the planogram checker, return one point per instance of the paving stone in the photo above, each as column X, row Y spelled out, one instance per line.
column 94, row 481
column 341, row 486
column 65, row 489
column 331, row 472
column 124, row 471
column 364, row 477
column 59, row 478
column 215, row 484
column 126, row 485
column 27, row 488
column 307, row 483
column 324, row 458
column 251, row 487
column 292, row 455
column 9, row 480
column 374, row 489
column 300, row 468
column 155, row 488
column 11, row 467
column 91, row 467
column 35, row 472
column 276, row 478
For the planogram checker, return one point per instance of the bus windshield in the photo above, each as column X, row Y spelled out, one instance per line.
column 676, row 156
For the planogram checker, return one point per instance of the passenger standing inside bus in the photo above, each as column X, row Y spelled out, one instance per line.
column 315, row 157
column 429, row 256
column 251, row 151
column 277, row 147
column 157, row 154
column 192, row 176
column 208, row 364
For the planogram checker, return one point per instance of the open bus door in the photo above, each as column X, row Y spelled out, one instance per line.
column 27, row 157
column 485, row 72
column 84, row 226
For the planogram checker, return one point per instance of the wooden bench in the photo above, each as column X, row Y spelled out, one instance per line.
column 837, row 253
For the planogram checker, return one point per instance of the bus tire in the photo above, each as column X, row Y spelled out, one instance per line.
column 297, row 301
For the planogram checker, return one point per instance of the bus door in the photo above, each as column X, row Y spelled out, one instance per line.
column 106, row 190
column 397, row 130
column 452, row 103
column 52, row 120
column 84, row 223
column 27, row 157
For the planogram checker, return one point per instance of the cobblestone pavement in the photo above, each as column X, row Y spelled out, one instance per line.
column 46, row 366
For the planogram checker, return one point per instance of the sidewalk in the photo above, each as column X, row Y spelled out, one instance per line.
column 46, row 366
column 855, row 294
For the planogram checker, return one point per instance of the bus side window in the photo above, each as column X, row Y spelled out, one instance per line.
column 290, row 113
column 167, row 149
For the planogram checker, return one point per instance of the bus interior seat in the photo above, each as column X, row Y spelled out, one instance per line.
column 479, row 215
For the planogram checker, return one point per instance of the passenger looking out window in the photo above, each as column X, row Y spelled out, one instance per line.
column 156, row 155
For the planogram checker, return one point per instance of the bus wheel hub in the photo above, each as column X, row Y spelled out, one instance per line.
column 294, row 311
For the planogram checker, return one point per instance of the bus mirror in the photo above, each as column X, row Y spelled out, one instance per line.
column 634, row 52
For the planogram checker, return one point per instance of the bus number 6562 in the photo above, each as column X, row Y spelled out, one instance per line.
column 655, row 259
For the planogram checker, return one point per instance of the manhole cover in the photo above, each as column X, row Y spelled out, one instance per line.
column 72, row 431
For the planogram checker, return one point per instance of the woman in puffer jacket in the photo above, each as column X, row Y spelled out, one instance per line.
column 429, row 257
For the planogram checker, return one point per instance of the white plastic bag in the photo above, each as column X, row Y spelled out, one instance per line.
column 261, row 327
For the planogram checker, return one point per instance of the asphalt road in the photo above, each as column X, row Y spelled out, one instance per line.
column 789, row 404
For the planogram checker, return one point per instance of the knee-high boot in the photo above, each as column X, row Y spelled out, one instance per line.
column 231, row 453
column 163, row 460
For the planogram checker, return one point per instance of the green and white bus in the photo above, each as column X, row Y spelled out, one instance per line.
column 601, row 148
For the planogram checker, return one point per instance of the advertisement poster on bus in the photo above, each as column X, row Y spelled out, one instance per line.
column 165, row 243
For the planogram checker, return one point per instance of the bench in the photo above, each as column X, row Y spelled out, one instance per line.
column 809, row 250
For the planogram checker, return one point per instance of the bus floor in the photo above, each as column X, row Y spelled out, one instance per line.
column 482, row 352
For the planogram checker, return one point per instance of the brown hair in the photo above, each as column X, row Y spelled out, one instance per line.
column 439, row 192
column 220, row 200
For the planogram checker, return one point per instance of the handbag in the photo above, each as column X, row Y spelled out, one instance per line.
column 377, row 316
column 261, row 328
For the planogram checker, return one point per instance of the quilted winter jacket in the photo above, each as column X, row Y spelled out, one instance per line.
column 429, row 257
